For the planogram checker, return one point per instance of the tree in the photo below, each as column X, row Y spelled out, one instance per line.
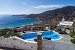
column 8, row 32
column 72, row 33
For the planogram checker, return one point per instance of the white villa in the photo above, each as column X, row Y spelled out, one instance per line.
column 65, row 24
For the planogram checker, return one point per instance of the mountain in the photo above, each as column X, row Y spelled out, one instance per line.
column 56, row 14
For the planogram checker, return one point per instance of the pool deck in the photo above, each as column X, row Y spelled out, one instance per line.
column 65, row 38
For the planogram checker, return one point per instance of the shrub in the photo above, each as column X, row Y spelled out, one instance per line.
column 72, row 33
column 72, row 41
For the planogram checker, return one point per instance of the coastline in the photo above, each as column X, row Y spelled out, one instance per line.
column 10, row 21
column 21, row 25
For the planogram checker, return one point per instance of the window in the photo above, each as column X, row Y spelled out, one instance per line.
column 31, row 46
column 14, row 39
column 25, row 43
column 21, row 42
column 11, row 43
column 5, row 44
column 7, row 41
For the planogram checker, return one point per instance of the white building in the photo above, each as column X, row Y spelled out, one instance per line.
column 64, row 24
column 17, row 43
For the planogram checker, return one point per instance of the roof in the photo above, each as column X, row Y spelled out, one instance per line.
column 63, row 22
column 69, row 23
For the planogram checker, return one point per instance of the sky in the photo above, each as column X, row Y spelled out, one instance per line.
column 32, row 6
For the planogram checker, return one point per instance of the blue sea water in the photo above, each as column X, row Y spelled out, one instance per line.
column 8, row 21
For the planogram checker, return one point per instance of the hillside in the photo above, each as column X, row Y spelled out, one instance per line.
column 55, row 14
column 53, row 17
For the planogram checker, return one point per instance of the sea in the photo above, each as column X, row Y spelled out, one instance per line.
column 10, row 21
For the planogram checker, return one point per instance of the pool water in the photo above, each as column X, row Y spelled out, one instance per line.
column 46, row 34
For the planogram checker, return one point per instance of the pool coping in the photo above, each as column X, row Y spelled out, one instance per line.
column 44, row 31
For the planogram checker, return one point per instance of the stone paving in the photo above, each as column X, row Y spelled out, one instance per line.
column 65, row 38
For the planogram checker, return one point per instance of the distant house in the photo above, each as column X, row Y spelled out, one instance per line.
column 63, row 25
column 36, row 28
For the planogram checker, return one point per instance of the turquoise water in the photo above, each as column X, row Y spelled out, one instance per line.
column 46, row 34
column 13, row 21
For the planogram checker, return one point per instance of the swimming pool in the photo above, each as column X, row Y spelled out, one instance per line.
column 45, row 34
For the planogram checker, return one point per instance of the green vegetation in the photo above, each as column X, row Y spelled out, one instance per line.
column 72, row 41
column 72, row 33
column 8, row 32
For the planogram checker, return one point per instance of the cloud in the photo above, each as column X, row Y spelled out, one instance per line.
column 24, row 3
column 48, row 6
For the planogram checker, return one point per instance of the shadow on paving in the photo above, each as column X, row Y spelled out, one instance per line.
column 4, row 48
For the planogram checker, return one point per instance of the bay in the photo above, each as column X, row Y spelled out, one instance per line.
column 9, row 21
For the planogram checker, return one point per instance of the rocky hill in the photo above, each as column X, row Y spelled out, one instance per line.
column 68, row 12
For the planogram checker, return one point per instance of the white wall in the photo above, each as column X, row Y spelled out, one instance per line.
column 31, row 45
column 52, row 45
column 18, row 43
